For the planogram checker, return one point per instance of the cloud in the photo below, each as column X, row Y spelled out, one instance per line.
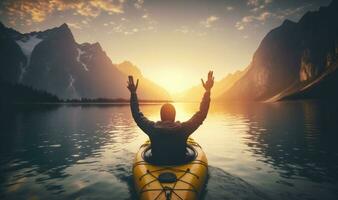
column 74, row 25
column 138, row 4
column 291, row 11
column 109, row 6
column 29, row 11
column 263, row 16
column 240, row 25
column 256, row 3
column 253, row 2
column 125, row 26
column 207, row 23
column 230, row 8
column 150, row 23
column 183, row 29
column 84, row 22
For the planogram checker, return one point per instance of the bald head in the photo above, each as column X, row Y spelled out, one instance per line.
column 168, row 112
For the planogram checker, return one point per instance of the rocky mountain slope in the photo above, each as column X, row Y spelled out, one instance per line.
column 293, row 58
column 147, row 87
column 53, row 61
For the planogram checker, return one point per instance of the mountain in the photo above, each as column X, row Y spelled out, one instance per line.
column 324, row 87
column 293, row 58
column 147, row 87
column 53, row 61
column 195, row 93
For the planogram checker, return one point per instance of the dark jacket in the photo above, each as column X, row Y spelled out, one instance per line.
column 168, row 139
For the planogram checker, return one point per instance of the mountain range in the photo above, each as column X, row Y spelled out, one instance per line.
column 148, row 88
column 295, row 60
column 195, row 93
column 53, row 61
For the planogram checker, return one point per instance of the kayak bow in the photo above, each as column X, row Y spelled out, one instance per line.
column 184, row 181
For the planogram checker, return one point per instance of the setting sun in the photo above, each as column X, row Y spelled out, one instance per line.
column 175, row 80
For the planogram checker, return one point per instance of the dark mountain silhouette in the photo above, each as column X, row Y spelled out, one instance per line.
column 324, row 88
column 51, row 60
column 11, row 55
column 295, row 60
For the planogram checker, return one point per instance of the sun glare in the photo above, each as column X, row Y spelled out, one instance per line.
column 174, row 81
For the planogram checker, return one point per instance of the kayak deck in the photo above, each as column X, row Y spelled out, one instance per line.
column 184, row 181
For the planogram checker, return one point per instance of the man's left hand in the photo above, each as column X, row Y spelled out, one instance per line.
column 131, row 86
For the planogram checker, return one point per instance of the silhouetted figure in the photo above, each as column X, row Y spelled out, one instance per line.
column 168, row 138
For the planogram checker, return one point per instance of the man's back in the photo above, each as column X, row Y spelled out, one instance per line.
column 168, row 141
column 167, row 149
column 168, row 138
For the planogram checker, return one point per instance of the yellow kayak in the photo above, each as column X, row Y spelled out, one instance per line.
column 184, row 181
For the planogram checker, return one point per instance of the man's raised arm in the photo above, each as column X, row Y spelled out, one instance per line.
column 145, row 124
column 197, row 119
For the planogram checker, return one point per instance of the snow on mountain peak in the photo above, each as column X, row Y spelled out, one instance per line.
column 27, row 45
column 78, row 58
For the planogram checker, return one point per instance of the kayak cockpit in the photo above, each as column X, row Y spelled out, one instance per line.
column 189, row 156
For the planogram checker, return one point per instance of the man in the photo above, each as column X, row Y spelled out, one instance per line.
column 169, row 138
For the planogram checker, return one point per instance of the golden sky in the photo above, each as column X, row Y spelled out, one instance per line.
column 173, row 42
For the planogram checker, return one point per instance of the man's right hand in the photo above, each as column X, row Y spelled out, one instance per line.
column 210, row 82
column 131, row 86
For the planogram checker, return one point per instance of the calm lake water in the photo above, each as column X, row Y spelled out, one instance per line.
column 285, row 150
